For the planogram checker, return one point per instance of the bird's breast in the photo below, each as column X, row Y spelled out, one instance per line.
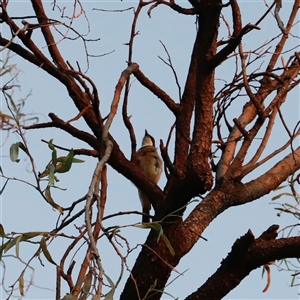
column 150, row 162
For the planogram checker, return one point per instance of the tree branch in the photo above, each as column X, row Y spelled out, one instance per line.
column 67, row 127
column 174, row 6
column 198, row 168
column 151, row 86
column 51, row 44
column 246, row 255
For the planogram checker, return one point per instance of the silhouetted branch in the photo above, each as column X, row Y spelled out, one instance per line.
column 246, row 255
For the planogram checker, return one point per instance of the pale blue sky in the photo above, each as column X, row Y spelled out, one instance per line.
column 22, row 208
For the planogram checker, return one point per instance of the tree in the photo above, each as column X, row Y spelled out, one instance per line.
column 217, row 147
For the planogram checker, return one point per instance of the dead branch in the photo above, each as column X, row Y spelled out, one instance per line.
column 170, row 64
column 263, row 143
column 248, row 168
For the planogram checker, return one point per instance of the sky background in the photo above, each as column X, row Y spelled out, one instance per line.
column 22, row 209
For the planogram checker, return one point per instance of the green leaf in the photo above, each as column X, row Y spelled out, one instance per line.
column 168, row 244
column 77, row 160
column 46, row 252
column 110, row 294
column 66, row 165
column 2, row 232
column 50, row 145
column 280, row 187
column 153, row 225
column 64, row 158
column 88, row 285
column 23, row 147
column 51, row 201
column 51, row 175
column 158, row 228
column 13, row 104
column 14, row 152
column 57, row 187
column 18, row 240
column 54, row 152
column 23, row 237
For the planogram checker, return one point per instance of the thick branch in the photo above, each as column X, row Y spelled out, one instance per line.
column 198, row 167
column 237, row 18
column 272, row 178
column 234, row 193
column 247, row 254
column 189, row 231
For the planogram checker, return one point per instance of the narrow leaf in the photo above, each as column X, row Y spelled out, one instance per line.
column 50, row 145
column 23, row 237
column 110, row 294
column 77, row 160
column 280, row 195
column 46, row 252
column 18, row 240
column 21, row 284
column 51, row 201
column 23, row 147
column 13, row 104
column 65, row 167
column 2, row 232
column 51, row 175
column 31, row 234
column 64, row 158
column 35, row 119
column 14, row 152
column 54, row 152
column 158, row 228
column 88, row 285
column 5, row 116
column 168, row 244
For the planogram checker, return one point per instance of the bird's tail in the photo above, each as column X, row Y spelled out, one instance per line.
column 146, row 207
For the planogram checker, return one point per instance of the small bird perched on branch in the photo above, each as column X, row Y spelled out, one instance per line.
column 150, row 163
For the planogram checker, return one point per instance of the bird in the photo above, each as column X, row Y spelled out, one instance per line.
column 149, row 161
